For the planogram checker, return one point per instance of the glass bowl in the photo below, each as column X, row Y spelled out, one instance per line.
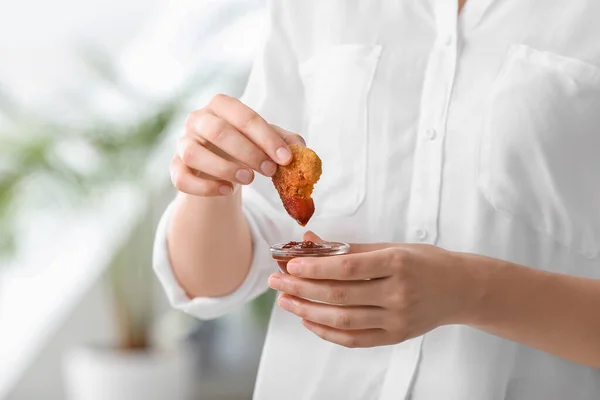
column 284, row 252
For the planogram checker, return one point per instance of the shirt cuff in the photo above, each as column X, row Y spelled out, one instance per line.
column 206, row 308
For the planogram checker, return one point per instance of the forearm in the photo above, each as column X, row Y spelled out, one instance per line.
column 209, row 243
column 555, row 313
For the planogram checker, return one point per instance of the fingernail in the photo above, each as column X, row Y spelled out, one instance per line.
column 243, row 176
column 285, row 303
column 283, row 154
column 225, row 190
column 275, row 282
column 268, row 167
column 302, row 141
column 294, row 267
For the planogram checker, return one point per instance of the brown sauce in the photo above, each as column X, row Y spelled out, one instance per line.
column 307, row 244
column 285, row 252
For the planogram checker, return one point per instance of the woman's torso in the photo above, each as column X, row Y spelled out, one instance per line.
column 476, row 134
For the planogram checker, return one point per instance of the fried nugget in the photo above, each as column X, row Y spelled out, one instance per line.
column 295, row 183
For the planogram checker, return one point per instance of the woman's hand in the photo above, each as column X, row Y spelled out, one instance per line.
column 381, row 294
column 223, row 144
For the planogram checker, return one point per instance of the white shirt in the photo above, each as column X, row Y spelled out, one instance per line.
column 478, row 134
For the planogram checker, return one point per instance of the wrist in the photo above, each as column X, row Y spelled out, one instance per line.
column 475, row 278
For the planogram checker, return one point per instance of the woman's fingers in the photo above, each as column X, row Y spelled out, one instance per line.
column 312, row 237
column 347, row 318
column 207, row 128
column 187, row 181
column 252, row 125
column 289, row 137
column 365, row 292
column 201, row 159
column 223, row 144
column 347, row 326
column 348, row 267
column 351, row 339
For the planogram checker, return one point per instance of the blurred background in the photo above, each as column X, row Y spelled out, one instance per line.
column 93, row 94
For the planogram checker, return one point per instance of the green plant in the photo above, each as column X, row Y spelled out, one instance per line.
column 35, row 164
column 33, row 150
column 262, row 306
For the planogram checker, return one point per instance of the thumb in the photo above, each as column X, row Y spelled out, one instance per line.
column 289, row 137
column 311, row 236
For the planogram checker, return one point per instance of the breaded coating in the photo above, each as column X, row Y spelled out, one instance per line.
column 295, row 182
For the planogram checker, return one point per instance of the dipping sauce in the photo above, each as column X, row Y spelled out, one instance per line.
column 284, row 252
column 307, row 244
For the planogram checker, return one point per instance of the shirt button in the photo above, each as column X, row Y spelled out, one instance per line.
column 421, row 234
column 430, row 134
column 448, row 40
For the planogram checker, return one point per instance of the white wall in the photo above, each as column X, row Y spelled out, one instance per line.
column 40, row 40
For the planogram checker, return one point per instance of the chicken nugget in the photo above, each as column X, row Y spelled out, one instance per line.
column 295, row 182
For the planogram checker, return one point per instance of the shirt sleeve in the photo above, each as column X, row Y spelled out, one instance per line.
column 274, row 91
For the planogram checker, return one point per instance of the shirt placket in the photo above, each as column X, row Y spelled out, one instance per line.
column 427, row 178
column 426, row 186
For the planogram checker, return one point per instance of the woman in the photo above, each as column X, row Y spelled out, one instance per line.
column 460, row 145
